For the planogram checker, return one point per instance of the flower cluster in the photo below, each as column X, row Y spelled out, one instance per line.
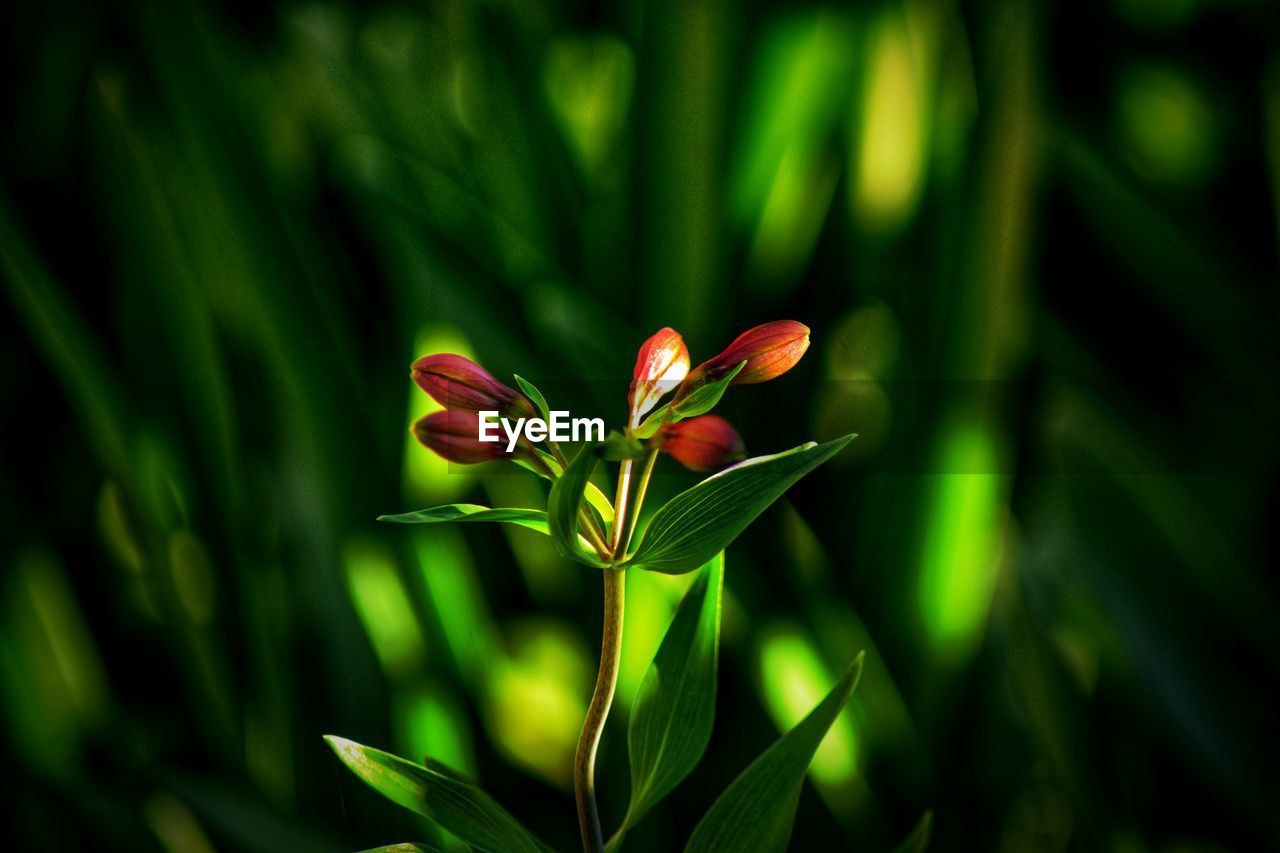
column 681, row 428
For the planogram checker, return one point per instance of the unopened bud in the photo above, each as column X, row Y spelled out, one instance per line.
column 661, row 364
column 704, row 443
column 459, row 383
column 455, row 435
column 769, row 351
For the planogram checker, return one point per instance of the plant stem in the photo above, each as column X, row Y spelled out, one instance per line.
column 584, row 764
column 641, row 488
column 584, row 769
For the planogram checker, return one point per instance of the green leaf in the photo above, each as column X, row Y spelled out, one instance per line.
column 697, row 523
column 461, row 808
column 411, row 847
column 535, row 396
column 756, row 812
column 918, row 840
column 563, row 504
column 675, row 706
column 595, row 497
column 653, row 422
column 618, row 447
column 534, row 519
column 704, row 398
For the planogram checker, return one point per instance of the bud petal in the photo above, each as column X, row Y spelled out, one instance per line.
column 769, row 351
column 455, row 435
column 704, row 443
column 459, row 383
column 661, row 364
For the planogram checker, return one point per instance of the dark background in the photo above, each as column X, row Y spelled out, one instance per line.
column 1035, row 244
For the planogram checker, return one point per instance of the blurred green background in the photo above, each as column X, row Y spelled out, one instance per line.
column 1037, row 247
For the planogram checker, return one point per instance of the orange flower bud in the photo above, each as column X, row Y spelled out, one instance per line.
column 704, row 443
column 769, row 351
column 661, row 364
column 455, row 435
column 459, row 383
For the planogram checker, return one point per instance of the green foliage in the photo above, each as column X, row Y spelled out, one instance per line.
column 401, row 848
column 447, row 799
column 675, row 706
column 755, row 813
column 534, row 519
column 705, row 397
column 653, row 422
column 534, row 395
column 696, row 524
column 564, row 504
column 618, row 447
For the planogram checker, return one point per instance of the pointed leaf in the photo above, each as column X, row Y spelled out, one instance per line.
column 756, row 812
column 702, row 521
column 675, row 706
column 535, row 396
column 563, row 506
column 595, row 497
column 534, row 519
column 704, row 398
column 461, row 808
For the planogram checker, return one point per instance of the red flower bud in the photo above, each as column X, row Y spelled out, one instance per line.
column 769, row 351
column 704, row 443
column 459, row 383
column 455, row 435
column 661, row 364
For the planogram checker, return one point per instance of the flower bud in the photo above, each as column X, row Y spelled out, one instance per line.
column 769, row 351
column 704, row 443
column 455, row 435
column 661, row 364
column 459, row 383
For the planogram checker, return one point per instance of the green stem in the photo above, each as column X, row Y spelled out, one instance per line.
column 584, row 768
column 584, row 763
column 641, row 488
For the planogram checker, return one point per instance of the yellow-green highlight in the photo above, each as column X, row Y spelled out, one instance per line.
column 536, row 699
column 588, row 84
column 457, row 599
column 889, row 147
column 652, row 599
column 428, row 478
column 430, row 724
column 786, row 175
column 384, row 608
column 795, row 679
column 961, row 542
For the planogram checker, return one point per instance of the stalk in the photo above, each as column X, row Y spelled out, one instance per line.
column 641, row 488
column 584, row 764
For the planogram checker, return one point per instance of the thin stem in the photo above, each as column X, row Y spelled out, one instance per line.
column 641, row 488
column 584, row 766
column 620, row 502
column 584, row 763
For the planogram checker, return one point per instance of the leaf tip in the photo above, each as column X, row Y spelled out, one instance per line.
column 855, row 669
column 343, row 747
